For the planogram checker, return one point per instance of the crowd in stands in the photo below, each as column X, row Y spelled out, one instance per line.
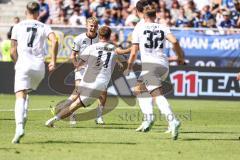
column 175, row 13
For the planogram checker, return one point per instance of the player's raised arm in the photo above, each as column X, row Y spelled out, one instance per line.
column 176, row 47
column 14, row 54
column 122, row 51
column 54, row 44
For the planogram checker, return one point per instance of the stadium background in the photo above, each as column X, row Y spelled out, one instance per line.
column 207, row 31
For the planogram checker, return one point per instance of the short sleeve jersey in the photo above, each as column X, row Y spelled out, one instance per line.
column 101, row 60
column 82, row 41
column 151, row 38
column 31, row 38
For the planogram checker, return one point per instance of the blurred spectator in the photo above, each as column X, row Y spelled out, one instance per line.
column 175, row 11
column 206, row 15
column 190, row 9
column 77, row 18
column 179, row 13
column 60, row 18
column 6, row 47
column 227, row 22
column 197, row 20
column 132, row 19
column 200, row 4
column 164, row 17
column 100, row 8
column 69, row 8
column 235, row 14
column 229, row 4
column 44, row 11
column 55, row 8
column 182, row 20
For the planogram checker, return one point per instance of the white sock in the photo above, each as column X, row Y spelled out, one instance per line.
column 146, row 104
column 56, row 118
column 99, row 111
column 165, row 109
column 26, row 107
column 19, row 112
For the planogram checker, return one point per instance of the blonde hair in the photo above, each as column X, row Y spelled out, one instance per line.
column 93, row 20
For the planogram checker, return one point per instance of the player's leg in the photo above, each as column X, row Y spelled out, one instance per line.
column 69, row 100
column 65, row 112
column 24, row 80
column 146, row 105
column 81, row 101
column 25, row 116
column 165, row 108
column 72, row 98
column 157, row 73
column 19, row 115
column 101, row 105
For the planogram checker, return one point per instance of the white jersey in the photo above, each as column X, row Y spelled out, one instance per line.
column 82, row 41
column 101, row 60
column 151, row 38
column 31, row 38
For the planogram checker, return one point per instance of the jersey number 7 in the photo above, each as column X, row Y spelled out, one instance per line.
column 33, row 35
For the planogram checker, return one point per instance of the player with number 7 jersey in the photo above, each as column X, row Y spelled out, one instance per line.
column 27, row 51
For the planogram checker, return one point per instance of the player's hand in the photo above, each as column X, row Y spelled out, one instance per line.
column 120, row 65
column 238, row 76
column 51, row 66
column 126, row 72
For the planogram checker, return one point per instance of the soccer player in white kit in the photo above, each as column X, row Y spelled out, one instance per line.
column 28, row 51
column 81, row 42
column 100, row 58
column 150, row 38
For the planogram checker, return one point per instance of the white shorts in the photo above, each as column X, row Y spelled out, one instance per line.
column 153, row 75
column 89, row 92
column 79, row 73
column 28, row 79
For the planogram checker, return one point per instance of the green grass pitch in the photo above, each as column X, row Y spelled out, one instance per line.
column 210, row 131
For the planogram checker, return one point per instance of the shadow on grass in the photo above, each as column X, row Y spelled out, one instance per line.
column 119, row 124
column 103, row 127
column 210, row 139
column 7, row 119
column 79, row 142
column 7, row 149
column 211, row 132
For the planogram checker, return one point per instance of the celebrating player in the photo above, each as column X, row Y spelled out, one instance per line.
column 80, row 43
column 27, row 51
column 100, row 59
column 150, row 38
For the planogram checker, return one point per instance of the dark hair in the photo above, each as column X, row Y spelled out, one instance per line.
column 105, row 32
column 33, row 7
column 149, row 11
column 141, row 4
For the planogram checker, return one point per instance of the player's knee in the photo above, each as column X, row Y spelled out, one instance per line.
column 140, row 88
column 156, row 92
